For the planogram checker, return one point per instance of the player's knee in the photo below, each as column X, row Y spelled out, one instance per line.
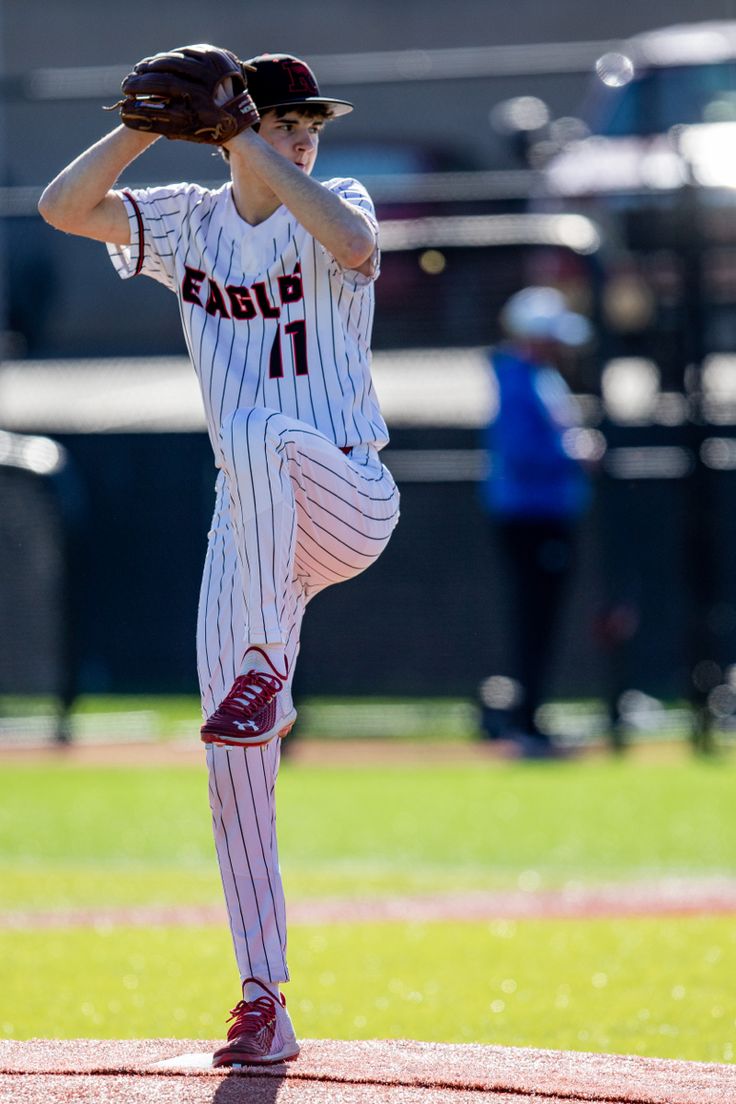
column 249, row 428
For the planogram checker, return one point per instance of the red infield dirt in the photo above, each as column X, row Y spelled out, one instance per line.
column 170, row 1071
column 658, row 897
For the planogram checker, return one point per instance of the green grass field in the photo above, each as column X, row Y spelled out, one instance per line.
column 72, row 836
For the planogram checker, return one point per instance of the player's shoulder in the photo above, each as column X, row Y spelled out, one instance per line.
column 182, row 197
column 352, row 191
column 344, row 183
column 348, row 187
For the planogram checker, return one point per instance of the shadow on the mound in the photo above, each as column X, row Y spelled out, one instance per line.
column 250, row 1087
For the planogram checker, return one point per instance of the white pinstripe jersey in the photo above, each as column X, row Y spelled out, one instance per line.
column 269, row 316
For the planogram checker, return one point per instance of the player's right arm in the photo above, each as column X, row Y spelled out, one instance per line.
column 80, row 199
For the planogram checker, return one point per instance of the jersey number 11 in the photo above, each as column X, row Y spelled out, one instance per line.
column 297, row 331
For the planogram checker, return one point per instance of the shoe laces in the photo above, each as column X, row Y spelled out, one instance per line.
column 250, row 1017
column 250, row 693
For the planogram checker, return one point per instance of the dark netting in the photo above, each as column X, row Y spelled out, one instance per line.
column 34, row 658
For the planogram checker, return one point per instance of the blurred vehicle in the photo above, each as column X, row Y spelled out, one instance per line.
column 655, row 111
column 653, row 158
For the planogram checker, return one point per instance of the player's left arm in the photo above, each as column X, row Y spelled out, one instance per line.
column 339, row 226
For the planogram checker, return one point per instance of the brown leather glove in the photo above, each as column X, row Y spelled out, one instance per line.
column 194, row 93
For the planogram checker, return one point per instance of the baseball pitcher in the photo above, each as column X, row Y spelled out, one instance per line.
column 274, row 275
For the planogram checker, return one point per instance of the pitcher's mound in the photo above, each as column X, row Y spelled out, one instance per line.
column 178, row 1071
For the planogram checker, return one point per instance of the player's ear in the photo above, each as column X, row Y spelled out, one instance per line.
column 276, row 112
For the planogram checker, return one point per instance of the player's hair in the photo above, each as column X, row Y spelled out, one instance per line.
column 310, row 110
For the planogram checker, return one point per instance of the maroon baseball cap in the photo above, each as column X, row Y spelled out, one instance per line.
column 280, row 80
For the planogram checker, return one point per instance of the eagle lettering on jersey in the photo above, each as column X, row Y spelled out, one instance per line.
column 215, row 302
column 190, row 285
column 242, row 306
column 245, row 302
column 268, row 310
column 290, row 287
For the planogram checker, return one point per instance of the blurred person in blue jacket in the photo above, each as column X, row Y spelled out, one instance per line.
column 535, row 493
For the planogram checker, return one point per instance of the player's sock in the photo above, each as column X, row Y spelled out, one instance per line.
column 265, row 657
column 251, row 991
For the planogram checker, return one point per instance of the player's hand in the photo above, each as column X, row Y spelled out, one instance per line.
column 193, row 93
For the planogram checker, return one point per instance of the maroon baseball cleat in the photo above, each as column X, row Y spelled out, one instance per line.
column 261, row 1033
column 258, row 707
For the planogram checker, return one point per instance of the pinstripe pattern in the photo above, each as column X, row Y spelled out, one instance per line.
column 331, row 517
column 186, row 225
column 293, row 514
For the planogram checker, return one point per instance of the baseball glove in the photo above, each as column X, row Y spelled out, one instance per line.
column 194, row 93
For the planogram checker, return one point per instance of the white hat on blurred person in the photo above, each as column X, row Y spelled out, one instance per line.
column 542, row 314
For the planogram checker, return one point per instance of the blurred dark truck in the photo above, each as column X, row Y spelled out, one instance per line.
column 652, row 159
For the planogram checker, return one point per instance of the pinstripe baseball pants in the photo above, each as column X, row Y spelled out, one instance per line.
column 293, row 515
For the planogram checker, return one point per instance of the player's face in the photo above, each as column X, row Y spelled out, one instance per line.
column 295, row 136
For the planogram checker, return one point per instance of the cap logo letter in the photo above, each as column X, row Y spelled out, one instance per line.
column 299, row 78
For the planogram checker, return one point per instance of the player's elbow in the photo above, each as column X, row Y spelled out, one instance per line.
column 51, row 209
column 358, row 248
column 60, row 209
column 46, row 209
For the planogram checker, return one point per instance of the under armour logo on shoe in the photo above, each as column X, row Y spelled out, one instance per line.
column 243, row 725
column 250, row 715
